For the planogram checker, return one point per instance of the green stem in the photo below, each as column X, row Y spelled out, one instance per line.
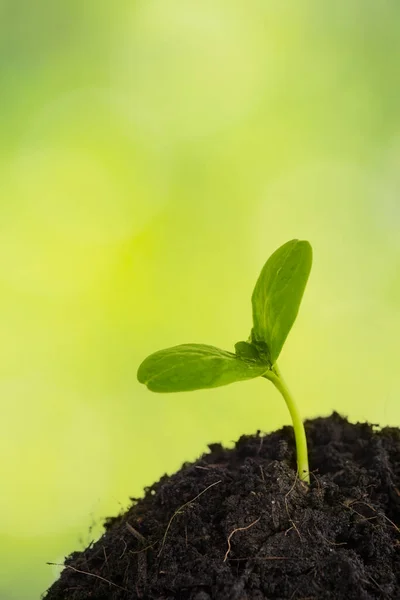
column 299, row 431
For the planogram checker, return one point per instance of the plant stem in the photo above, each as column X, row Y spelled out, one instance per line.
column 275, row 376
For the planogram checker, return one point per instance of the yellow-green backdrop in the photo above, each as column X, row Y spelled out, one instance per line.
column 153, row 153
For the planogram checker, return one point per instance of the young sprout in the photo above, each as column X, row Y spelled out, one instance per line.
column 276, row 300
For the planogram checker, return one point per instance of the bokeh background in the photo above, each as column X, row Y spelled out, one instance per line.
column 153, row 153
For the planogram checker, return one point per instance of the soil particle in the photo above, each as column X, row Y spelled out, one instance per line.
column 238, row 525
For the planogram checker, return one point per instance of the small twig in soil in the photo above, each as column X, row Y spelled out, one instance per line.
column 144, row 549
column 287, row 509
column 135, row 533
column 349, row 506
column 379, row 514
column 375, row 583
column 390, row 521
column 126, row 545
column 330, row 541
column 105, row 556
column 234, row 531
column 317, row 482
column 363, row 517
column 89, row 574
column 180, row 509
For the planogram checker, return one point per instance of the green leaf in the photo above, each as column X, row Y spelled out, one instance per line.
column 277, row 295
column 247, row 351
column 193, row 367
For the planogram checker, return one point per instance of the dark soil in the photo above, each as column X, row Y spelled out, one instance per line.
column 239, row 525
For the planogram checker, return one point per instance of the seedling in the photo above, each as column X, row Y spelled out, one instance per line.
column 276, row 300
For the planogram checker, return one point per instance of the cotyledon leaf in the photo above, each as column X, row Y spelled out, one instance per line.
column 189, row 367
column 247, row 351
column 278, row 292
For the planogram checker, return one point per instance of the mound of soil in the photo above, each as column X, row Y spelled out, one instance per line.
column 238, row 525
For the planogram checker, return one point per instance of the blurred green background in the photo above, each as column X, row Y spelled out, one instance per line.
column 152, row 155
